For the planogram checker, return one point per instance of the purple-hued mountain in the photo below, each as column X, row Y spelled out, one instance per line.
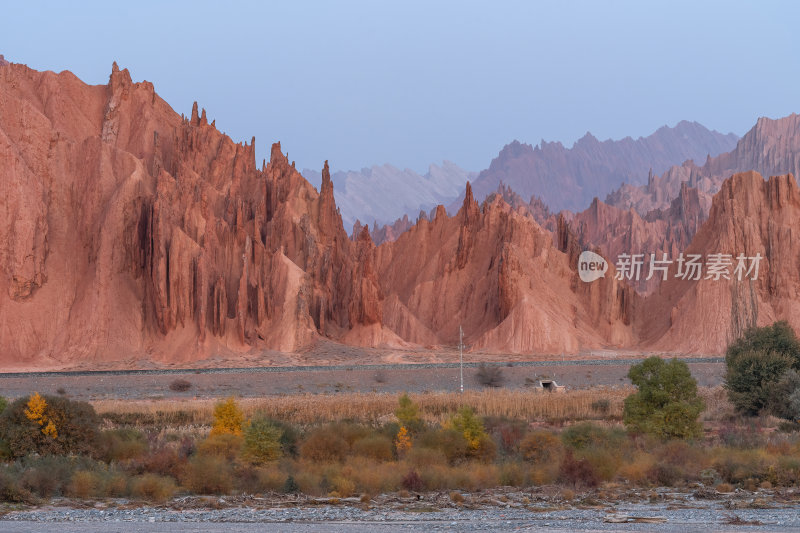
column 569, row 178
column 771, row 148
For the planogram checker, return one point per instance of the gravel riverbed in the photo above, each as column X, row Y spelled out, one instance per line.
column 660, row 510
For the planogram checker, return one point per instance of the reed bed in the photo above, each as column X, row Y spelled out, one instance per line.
column 306, row 409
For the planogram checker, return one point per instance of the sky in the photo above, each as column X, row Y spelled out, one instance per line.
column 412, row 83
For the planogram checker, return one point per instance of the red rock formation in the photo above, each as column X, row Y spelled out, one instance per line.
column 128, row 229
column 535, row 207
column 387, row 232
column 613, row 231
column 129, row 232
column 748, row 216
column 497, row 273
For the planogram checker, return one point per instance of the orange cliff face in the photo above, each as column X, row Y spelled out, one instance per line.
column 128, row 230
column 499, row 274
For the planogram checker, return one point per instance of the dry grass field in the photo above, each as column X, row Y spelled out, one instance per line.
column 602, row 403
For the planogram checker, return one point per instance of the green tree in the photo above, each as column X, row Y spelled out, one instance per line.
column 262, row 441
column 479, row 443
column 407, row 413
column 756, row 363
column 751, row 378
column 784, row 397
column 779, row 338
column 666, row 404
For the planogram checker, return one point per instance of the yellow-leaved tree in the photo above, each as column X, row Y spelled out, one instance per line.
column 403, row 441
column 228, row 418
column 35, row 410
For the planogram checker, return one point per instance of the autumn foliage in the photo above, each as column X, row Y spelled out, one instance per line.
column 49, row 425
column 228, row 418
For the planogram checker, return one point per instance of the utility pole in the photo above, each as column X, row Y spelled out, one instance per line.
column 461, row 354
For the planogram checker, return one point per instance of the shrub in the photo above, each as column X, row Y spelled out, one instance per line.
column 180, row 385
column 122, row 445
column 489, row 375
column 407, row 413
column 289, row 436
column 506, row 433
column 47, row 476
column 85, row 484
column 605, row 462
column 666, row 404
column 541, row 447
column 639, row 470
column 342, row 486
column 578, row 472
column 724, row 487
column 164, row 461
column 324, row 444
column 270, row 478
column 11, row 491
column 49, row 425
column 756, row 362
column 588, row 435
column 783, row 398
column 350, row 431
column 374, row 477
column 422, row 457
column 225, row 445
column 486, row 451
column 376, row 447
column 512, row 474
column 115, row 485
column 688, row 459
column 228, row 418
column 481, row 476
column 208, row 474
column 308, row 482
column 153, row 487
column 748, row 437
column 664, row 475
column 412, row 481
column 290, row 486
column 735, row 466
column 450, row 442
column 3, row 404
column 262, row 441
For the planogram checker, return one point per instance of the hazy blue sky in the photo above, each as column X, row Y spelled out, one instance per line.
column 412, row 83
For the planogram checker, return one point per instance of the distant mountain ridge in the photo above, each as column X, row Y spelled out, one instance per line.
column 771, row 148
column 384, row 193
column 570, row 178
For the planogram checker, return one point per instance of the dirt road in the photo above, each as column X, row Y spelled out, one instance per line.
column 265, row 381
